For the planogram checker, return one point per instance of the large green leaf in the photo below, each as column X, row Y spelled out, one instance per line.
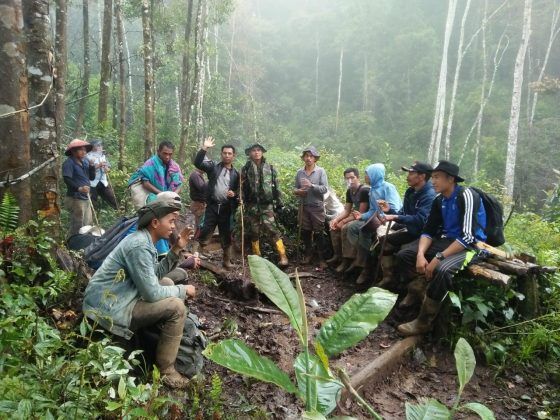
column 324, row 389
column 484, row 412
column 465, row 362
column 355, row 320
column 237, row 356
column 276, row 285
column 427, row 410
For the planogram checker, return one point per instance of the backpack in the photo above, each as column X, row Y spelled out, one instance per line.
column 494, row 218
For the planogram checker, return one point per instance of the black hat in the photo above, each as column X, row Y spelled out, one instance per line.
column 312, row 150
column 254, row 145
column 423, row 168
column 449, row 168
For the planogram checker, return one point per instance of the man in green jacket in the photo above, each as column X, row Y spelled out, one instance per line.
column 128, row 292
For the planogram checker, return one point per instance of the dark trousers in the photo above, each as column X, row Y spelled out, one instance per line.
column 105, row 192
column 441, row 281
column 217, row 215
column 400, row 238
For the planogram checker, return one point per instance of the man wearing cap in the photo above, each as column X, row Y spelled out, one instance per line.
column 100, row 185
column 260, row 195
column 408, row 222
column 77, row 174
column 126, row 293
column 223, row 186
column 310, row 186
column 456, row 223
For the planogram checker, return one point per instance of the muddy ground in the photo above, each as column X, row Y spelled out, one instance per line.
column 428, row 372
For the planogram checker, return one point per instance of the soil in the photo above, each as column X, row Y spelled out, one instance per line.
column 428, row 372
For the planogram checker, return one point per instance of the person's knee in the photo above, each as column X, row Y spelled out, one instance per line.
column 166, row 281
column 176, row 308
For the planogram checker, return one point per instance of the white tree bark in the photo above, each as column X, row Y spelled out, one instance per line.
column 231, row 55
column 339, row 88
column 365, row 94
column 216, row 47
column 509, row 179
column 317, row 69
column 437, row 128
column 129, row 71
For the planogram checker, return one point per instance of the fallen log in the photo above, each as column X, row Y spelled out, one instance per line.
column 233, row 282
column 481, row 271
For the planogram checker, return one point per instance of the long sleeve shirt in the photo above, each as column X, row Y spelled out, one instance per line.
column 77, row 174
column 319, row 186
column 416, row 208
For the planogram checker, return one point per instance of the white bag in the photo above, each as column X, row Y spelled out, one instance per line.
column 139, row 194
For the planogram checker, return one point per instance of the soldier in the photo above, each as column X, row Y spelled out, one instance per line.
column 261, row 197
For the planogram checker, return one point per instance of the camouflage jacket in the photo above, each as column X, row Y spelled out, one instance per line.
column 260, row 184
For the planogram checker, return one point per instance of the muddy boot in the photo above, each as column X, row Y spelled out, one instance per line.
column 359, row 262
column 306, row 236
column 281, row 249
column 415, row 293
column 177, row 276
column 367, row 272
column 343, row 266
column 226, row 259
column 335, row 259
column 387, row 267
column 423, row 323
column 256, row 247
column 166, row 353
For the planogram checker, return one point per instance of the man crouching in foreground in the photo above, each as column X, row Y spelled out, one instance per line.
column 125, row 294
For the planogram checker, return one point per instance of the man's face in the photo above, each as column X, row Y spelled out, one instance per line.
column 164, row 227
column 98, row 148
column 79, row 152
column 256, row 153
column 414, row 178
column 352, row 180
column 165, row 154
column 228, row 155
column 309, row 159
column 441, row 181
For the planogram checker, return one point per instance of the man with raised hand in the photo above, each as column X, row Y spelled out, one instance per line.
column 129, row 291
column 223, row 187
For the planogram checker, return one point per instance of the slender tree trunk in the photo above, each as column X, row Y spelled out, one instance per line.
column 482, row 93
column 122, row 81
column 185, row 90
column 105, row 74
column 14, row 128
column 339, row 88
column 231, row 55
column 201, row 58
column 460, row 55
column 509, row 179
column 317, row 56
column 216, row 47
column 85, row 76
column 365, row 93
column 61, row 59
column 130, row 102
column 42, row 127
column 198, row 39
column 153, row 96
column 148, row 81
column 437, row 128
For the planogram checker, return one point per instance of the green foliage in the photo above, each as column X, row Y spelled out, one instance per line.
column 465, row 362
column 9, row 213
column 317, row 385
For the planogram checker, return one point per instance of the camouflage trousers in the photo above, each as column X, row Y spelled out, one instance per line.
column 260, row 220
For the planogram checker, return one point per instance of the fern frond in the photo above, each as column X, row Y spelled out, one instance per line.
column 9, row 214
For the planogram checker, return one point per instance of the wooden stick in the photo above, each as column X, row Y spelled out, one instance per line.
column 494, row 251
column 264, row 310
column 489, row 274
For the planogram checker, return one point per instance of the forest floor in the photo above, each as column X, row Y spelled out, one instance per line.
column 428, row 372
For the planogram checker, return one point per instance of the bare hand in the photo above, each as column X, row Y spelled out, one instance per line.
column 383, row 206
column 196, row 262
column 191, row 291
column 230, row 194
column 300, row 192
column 208, row 143
column 184, row 237
column 356, row 214
column 391, row 217
column 333, row 225
column 431, row 268
column 305, row 183
column 421, row 264
column 84, row 189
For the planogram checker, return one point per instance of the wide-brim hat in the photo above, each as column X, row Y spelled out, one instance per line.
column 312, row 150
column 449, row 168
column 252, row 146
column 422, row 167
column 75, row 144
column 156, row 210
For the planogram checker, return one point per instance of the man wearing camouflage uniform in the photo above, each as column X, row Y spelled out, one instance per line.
column 261, row 196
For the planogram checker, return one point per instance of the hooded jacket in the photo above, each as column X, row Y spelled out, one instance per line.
column 380, row 190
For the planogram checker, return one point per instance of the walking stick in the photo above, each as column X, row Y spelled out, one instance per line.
column 242, row 228
column 93, row 211
column 112, row 189
column 382, row 250
column 298, row 240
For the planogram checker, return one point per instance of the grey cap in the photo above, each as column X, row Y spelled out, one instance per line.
column 312, row 150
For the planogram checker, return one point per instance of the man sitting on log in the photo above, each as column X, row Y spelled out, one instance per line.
column 129, row 291
column 408, row 222
column 456, row 223
column 357, row 202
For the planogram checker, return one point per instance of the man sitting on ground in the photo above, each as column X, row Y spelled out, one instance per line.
column 357, row 202
column 456, row 223
column 126, row 293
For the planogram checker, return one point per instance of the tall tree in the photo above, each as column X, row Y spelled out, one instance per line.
column 149, row 117
column 85, row 75
column 61, row 65
column 42, row 132
column 105, row 74
column 14, row 119
column 122, row 81
column 511, row 155
column 185, row 89
column 340, row 62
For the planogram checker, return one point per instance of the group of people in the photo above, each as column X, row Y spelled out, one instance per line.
column 420, row 241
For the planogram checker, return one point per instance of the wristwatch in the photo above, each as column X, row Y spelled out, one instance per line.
column 440, row 256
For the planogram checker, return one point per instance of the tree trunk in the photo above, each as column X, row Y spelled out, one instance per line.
column 482, row 93
column 365, row 94
column 14, row 128
column 231, row 60
column 437, row 128
column 85, row 76
column 509, row 179
column 122, row 81
column 339, row 88
column 317, row 55
column 460, row 55
column 148, row 81
column 201, row 60
column 105, row 74
column 42, row 127
column 61, row 59
column 185, row 85
column 216, row 47
column 130, row 102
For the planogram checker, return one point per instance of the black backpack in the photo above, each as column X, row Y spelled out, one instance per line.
column 494, row 218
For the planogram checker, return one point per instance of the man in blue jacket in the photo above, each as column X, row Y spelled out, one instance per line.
column 408, row 222
column 447, row 244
